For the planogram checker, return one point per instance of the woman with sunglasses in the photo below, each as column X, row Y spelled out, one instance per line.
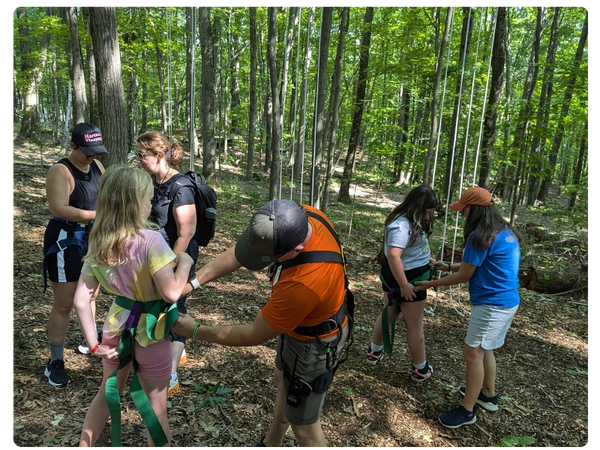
column 174, row 214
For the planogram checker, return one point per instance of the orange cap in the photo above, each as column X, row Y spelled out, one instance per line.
column 473, row 196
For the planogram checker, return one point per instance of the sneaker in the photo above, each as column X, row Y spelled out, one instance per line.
column 184, row 358
column 55, row 371
column 374, row 357
column 261, row 442
column 84, row 348
column 487, row 403
column 458, row 417
column 420, row 375
column 173, row 387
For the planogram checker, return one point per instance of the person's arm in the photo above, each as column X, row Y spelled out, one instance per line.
column 59, row 186
column 84, row 294
column 185, row 219
column 394, row 258
column 171, row 283
column 222, row 265
column 246, row 335
column 464, row 274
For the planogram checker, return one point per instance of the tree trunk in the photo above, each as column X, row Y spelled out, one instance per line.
column 56, row 121
column 491, row 114
column 93, row 89
column 577, row 172
column 325, row 37
column 344, row 195
column 252, row 106
column 275, row 128
column 190, row 27
column 538, row 153
column 161, row 83
column 334, row 102
column 77, row 74
column 208, row 94
column 519, row 144
column 112, row 116
column 545, row 187
column 433, row 132
column 451, row 159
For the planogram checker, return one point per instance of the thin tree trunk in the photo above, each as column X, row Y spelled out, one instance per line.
column 159, row 69
column 112, row 116
column 334, row 102
column 275, row 128
column 92, row 87
column 208, row 93
column 545, row 187
column 577, row 172
column 190, row 28
column 252, row 106
column 436, row 87
column 344, row 195
column 491, row 115
column 77, row 74
column 325, row 37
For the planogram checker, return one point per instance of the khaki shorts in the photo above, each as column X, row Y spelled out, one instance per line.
column 312, row 360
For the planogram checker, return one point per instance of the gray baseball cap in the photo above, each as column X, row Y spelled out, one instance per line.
column 276, row 228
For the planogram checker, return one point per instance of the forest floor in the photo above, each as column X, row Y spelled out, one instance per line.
column 542, row 376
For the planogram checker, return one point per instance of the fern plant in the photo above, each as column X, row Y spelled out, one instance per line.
column 210, row 396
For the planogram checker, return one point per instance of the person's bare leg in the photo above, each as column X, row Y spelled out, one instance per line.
column 279, row 423
column 97, row 415
column 176, row 351
column 157, row 394
column 413, row 318
column 58, row 322
column 489, row 377
column 310, row 435
column 475, row 373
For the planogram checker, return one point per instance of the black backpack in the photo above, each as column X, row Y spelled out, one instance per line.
column 206, row 205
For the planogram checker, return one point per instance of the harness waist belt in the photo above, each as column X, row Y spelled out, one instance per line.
column 328, row 326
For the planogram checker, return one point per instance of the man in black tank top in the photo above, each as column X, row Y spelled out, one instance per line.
column 72, row 189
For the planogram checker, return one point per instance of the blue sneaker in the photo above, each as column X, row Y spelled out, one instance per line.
column 458, row 417
column 487, row 403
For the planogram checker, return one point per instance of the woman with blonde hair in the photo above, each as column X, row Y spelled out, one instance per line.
column 174, row 210
column 132, row 261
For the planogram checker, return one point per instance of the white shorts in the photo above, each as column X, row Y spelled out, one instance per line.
column 488, row 326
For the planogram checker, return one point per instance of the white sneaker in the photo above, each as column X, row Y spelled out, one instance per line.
column 173, row 387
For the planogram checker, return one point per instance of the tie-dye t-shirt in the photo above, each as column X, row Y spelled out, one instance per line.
column 149, row 253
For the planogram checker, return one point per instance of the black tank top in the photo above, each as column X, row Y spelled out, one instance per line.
column 85, row 194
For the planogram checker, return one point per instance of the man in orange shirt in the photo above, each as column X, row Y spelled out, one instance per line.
column 306, row 311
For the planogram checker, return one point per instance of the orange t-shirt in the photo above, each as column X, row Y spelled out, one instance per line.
column 307, row 294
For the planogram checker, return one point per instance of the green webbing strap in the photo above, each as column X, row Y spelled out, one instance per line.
column 388, row 336
column 160, row 317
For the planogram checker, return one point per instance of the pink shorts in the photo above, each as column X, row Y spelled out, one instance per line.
column 153, row 362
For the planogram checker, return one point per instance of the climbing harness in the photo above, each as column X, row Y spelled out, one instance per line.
column 160, row 317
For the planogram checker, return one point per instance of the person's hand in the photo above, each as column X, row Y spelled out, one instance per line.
column 107, row 352
column 184, row 325
column 408, row 292
column 182, row 258
column 440, row 265
column 423, row 285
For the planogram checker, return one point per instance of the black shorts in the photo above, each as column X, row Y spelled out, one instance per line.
column 63, row 266
column 389, row 283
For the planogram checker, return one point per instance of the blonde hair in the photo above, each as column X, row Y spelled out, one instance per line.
column 120, row 214
column 158, row 144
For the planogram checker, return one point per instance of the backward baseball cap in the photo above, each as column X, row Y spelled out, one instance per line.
column 88, row 138
column 275, row 229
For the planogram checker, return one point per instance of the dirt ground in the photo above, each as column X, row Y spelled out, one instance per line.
column 542, row 375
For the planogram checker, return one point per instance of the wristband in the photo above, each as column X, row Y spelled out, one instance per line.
column 195, row 331
column 95, row 348
column 195, row 283
column 433, row 283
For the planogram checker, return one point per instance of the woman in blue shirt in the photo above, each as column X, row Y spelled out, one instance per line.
column 490, row 264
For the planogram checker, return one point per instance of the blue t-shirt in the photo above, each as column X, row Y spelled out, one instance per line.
column 496, row 278
column 397, row 235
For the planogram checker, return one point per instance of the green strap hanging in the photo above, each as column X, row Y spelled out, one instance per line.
column 160, row 317
column 388, row 335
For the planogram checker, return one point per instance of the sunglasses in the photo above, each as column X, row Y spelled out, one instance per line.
column 141, row 155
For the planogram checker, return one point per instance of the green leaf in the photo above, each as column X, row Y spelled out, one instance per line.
column 57, row 419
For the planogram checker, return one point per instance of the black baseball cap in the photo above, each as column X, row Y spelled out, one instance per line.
column 88, row 138
column 276, row 228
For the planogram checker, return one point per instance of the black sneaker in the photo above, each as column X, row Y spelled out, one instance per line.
column 55, row 371
column 374, row 357
column 458, row 417
column 84, row 348
column 487, row 403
